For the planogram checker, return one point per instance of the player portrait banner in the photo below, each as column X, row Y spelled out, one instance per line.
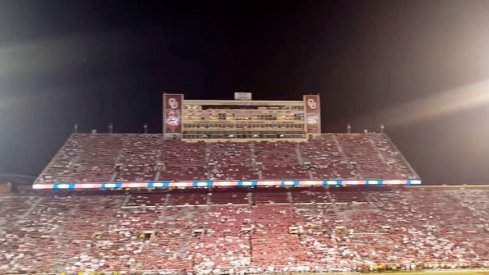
column 172, row 113
column 312, row 109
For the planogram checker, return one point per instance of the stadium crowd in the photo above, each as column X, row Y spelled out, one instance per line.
column 246, row 230
column 146, row 157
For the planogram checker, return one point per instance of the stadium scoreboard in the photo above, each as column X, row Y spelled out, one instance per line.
column 240, row 119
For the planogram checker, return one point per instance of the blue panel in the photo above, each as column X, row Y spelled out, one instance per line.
column 114, row 185
column 332, row 182
column 413, row 181
column 290, row 183
column 248, row 183
column 202, row 184
column 63, row 186
column 163, row 184
column 373, row 182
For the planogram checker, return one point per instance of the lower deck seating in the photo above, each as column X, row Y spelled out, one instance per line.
column 260, row 196
column 230, row 197
column 414, row 227
column 342, row 195
column 192, row 198
column 312, row 195
column 147, row 199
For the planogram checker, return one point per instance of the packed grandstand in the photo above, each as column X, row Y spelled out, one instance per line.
column 335, row 229
column 258, row 201
column 141, row 158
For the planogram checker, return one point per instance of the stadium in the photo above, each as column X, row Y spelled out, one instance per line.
column 239, row 187
column 244, row 137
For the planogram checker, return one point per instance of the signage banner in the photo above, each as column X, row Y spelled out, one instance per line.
column 312, row 117
column 172, row 113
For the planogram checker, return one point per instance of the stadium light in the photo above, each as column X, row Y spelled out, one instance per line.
column 439, row 104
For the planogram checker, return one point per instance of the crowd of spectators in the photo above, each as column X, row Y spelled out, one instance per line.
column 137, row 158
column 280, row 160
column 230, row 160
column 246, row 231
column 147, row 157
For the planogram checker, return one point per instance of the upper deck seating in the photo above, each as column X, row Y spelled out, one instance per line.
column 326, row 159
column 183, row 161
column 138, row 158
column 230, row 160
column 146, row 157
column 397, row 165
column 84, row 158
column 280, row 160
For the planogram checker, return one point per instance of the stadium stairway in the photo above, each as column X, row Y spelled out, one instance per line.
column 403, row 159
column 289, row 196
column 253, row 161
column 375, row 148
column 115, row 175
column 347, row 159
column 33, row 206
column 301, row 160
column 206, row 160
column 299, row 155
column 158, row 167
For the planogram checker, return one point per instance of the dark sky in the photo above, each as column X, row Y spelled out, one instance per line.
column 418, row 66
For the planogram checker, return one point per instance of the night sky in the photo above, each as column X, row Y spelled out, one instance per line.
column 420, row 67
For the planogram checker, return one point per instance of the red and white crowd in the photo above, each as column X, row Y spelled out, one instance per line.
column 253, row 231
column 147, row 158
